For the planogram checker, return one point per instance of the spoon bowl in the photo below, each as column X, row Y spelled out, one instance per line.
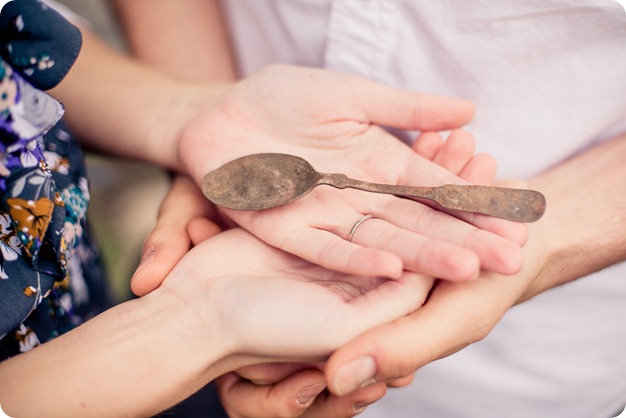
column 260, row 181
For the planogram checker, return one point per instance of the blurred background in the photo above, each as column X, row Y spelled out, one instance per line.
column 125, row 195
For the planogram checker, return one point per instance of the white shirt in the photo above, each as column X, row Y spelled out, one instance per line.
column 549, row 79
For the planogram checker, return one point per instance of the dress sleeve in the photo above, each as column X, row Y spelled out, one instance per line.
column 38, row 46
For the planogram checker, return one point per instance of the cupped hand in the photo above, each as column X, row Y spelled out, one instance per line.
column 261, row 304
column 455, row 316
column 300, row 393
column 334, row 121
column 299, row 389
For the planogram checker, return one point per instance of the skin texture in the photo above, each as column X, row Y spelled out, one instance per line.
column 466, row 313
column 459, row 314
column 202, row 323
column 345, row 137
column 199, row 324
column 282, row 389
column 195, row 129
column 561, row 237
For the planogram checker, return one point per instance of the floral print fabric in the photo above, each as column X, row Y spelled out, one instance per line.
column 50, row 277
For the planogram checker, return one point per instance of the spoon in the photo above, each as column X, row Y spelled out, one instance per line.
column 264, row 181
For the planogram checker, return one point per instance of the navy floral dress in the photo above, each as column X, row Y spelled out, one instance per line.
column 51, row 279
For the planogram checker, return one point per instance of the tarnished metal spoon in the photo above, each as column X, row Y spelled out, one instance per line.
column 264, row 181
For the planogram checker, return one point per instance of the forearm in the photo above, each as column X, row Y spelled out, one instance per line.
column 123, row 108
column 187, row 40
column 584, row 227
column 133, row 360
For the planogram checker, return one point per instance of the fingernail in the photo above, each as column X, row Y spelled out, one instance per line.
column 358, row 373
column 148, row 257
column 360, row 406
column 309, row 393
column 145, row 259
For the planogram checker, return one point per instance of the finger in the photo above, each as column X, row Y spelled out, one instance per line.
column 419, row 253
column 400, row 381
column 457, row 156
column 272, row 373
column 372, row 308
column 289, row 398
column 168, row 242
column 494, row 252
column 201, row 229
column 427, row 144
column 352, row 404
column 409, row 292
column 162, row 250
column 300, row 395
column 456, row 151
column 455, row 316
column 481, row 170
column 513, row 231
column 408, row 110
column 335, row 253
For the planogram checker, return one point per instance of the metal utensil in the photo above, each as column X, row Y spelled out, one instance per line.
column 264, row 181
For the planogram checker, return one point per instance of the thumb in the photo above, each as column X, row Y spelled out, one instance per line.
column 409, row 110
column 182, row 221
column 288, row 398
column 162, row 250
column 455, row 316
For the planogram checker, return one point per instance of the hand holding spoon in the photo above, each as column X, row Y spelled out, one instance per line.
column 264, row 181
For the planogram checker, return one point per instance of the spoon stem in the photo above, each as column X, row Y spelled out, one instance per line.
column 518, row 205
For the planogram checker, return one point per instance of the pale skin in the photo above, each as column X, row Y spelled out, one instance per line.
column 137, row 113
column 199, row 324
column 590, row 180
column 276, row 389
column 196, row 128
column 156, row 257
column 564, row 245
column 459, row 314
column 456, row 314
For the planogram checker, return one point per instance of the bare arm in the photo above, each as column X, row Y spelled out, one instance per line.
column 150, row 353
column 585, row 228
column 134, row 354
column 184, row 39
column 583, row 231
column 121, row 107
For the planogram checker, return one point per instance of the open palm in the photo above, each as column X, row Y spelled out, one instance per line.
column 334, row 121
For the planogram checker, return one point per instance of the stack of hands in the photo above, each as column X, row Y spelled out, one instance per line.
column 288, row 288
column 316, row 307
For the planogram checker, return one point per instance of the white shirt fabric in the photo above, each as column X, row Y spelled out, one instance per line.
column 549, row 79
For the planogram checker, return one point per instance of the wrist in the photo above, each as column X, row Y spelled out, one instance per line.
column 174, row 123
column 198, row 320
column 142, row 353
column 555, row 247
column 199, row 339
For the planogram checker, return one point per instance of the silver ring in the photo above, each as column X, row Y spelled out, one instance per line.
column 357, row 224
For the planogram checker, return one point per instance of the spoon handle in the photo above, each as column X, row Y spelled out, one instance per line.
column 518, row 205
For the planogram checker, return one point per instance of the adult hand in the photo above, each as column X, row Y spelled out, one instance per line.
column 263, row 304
column 456, row 315
column 333, row 120
column 563, row 246
column 279, row 389
column 185, row 219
